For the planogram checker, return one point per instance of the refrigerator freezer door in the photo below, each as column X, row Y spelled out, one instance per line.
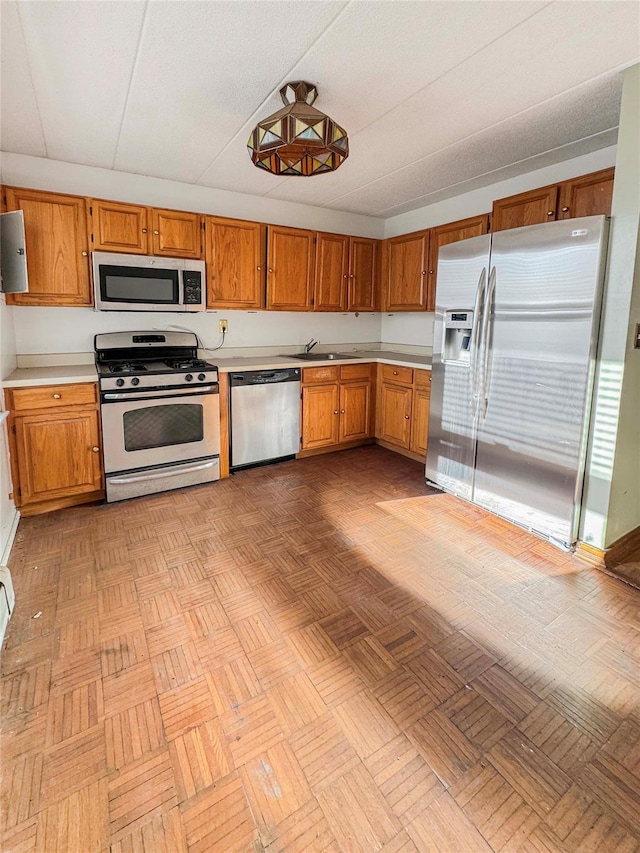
column 537, row 375
column 462, row 276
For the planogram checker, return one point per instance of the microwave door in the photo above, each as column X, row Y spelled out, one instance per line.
column 131, row 287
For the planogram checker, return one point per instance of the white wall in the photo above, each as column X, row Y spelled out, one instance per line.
column 21, row 170
column 481, row 201
column 68, row 330
column 410, row 328
column 8, row 514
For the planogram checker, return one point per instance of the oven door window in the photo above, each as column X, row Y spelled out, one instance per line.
column 134, row 284
column 163, row 426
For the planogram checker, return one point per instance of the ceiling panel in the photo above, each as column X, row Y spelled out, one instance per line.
column 202, row 69
column 360, row 78
column 523, row 68
column 584, row 112
column 81, row 56
column 21, row 130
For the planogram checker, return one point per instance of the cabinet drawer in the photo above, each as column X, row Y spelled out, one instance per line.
column 314, row 375
column 423, row 379
column 404, row 375
column 355, row 371
column 53, row 396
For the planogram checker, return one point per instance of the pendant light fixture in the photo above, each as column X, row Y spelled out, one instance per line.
column 298, row 139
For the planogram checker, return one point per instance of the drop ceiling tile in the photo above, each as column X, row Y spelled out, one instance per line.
column 19, row 118
column 582, row 113
column 81, row 56
column 203, row 69
column 517, row 71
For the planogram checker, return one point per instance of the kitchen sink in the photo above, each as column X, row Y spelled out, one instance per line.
column 320, row 356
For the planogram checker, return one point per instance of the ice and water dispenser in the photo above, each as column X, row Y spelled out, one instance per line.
column 457, row 337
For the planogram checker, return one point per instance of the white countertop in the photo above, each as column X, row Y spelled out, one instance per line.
column 67, row 374
column 63, row 374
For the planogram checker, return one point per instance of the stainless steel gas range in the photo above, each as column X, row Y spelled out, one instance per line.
column 160, row 413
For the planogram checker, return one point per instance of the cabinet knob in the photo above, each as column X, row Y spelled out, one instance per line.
column 156, row 232
column 565, row 209
column 431, row 272
column 96, row 449
column 269, row 269
column 144, row 230
column 345, row 276
column 406, row 417
column 342, row 411
column 395, row 372
column 84, row 254
column 352, row 275
column 549, row 212
column 259, row 269
column 56, row 396
column 424, row 272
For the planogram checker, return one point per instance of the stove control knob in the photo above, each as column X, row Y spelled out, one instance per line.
column 189, row 377
column 120, row 382
column 201, row 377
column 135, row 381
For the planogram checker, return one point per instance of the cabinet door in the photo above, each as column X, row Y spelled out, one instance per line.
column 235, row 263
column 364, row 274
column 451, row 233
column 120, row 227
column 58, row 455
column 57, row 245
column 355, row 410
column 420, row 421
column 589, row 195
column 176, row 234
column 332, row 272
column 395, row 415
column 320, row 416
column 289, row 268
column 406, row 279
column 528, row 208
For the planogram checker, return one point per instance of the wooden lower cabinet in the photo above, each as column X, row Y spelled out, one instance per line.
column 336, row 405
column 56, row 451
column 402, row 417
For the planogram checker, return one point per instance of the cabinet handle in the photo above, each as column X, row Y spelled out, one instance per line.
column 352, row 275
column 156, row 232
column 395, row 372
column 345, row 276
column 96, row 449
column 424, row 272
column 336, row 412
column 342, row 411
column 259, row 269
column 565, row 209
column 431, row 272
column 549, row 212
column 406, row 417
column 56, row 396
column 269, row 269
column 84, row 254
column 144, row 230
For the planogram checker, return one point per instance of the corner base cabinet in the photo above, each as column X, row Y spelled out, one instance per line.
column 55, row 446
column 402, row 416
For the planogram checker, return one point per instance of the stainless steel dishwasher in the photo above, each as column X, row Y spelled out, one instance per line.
column 265, row 416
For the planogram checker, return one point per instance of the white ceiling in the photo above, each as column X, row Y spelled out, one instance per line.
column 438, row 97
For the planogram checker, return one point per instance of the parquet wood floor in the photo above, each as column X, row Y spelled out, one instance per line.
column 316, row 656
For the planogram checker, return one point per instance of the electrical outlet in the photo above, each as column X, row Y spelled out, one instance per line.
column 224, row 327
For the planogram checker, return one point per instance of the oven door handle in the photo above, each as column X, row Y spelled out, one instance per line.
column 161, row 392
column 160, row 475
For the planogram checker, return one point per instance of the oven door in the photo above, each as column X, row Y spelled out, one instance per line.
column 156, row 428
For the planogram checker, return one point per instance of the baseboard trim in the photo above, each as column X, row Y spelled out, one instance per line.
column 8, row 545
column 401, row 450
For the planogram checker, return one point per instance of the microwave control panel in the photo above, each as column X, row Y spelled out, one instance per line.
column 192, row 287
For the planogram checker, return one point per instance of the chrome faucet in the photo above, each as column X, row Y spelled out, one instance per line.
column 312, row 343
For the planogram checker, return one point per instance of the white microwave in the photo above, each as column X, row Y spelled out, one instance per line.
column 144, row 283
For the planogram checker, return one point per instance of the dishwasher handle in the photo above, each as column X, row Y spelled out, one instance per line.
column 264, row 377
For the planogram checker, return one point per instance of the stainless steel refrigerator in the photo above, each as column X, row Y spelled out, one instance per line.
column 516, row 328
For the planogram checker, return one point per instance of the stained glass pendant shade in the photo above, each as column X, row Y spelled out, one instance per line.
column 298, row 139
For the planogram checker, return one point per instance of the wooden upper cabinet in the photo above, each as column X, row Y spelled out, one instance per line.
column 451, row 233
column 530, row 208
column 235, row 253
column 589, row 195
column 332, row 272
column 364, row 274
column 176, row 234
column 406, row 272
column 57, row 246
column 120, row 227
column 290, row 268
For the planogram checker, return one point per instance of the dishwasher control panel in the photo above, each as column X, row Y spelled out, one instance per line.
column 264, row 377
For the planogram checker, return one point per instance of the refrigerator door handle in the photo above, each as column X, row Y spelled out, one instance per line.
column 476, row 339
column 487, row 341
